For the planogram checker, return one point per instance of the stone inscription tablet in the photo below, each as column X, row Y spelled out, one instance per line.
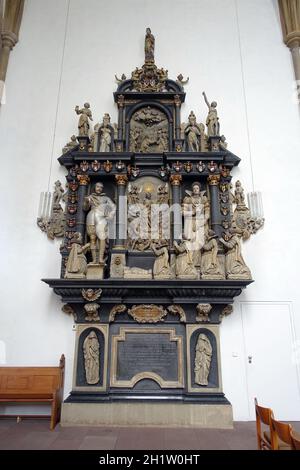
column 151, row 353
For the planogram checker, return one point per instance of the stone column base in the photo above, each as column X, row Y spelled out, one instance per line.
column 147, row 414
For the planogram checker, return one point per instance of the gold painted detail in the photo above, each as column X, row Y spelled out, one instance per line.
column 177, row 310
column 213, row 180
column 115, row 310
column 83, row 180
column 175, row 180
column 147, row 313
column 121, row 180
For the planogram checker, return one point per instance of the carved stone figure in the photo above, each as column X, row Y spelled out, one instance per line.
column 102, row 209
column 77, row 264
column 85, row 115
column 212, row 120
column 239, row 195
column 184, row 266
column 91, row 294
column 223, row 144
column 105, row 134
column 235, row 265
column 161, row 267
column 192, row 132
column 92, row 312
column 117, row 265
column 149, row 46
column 203, row 311
column 91, row 353
column 58, row 193
column 137, row 273
column 71, row 144
column 196, row 213
column 203, row 138
column 149, row 131
column 210, row 263
column 202, row 360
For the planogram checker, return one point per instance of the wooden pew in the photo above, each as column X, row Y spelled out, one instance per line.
column 34, row 385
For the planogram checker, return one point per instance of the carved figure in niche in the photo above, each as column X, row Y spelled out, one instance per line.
column 196, row 213
column 77, row 264
column 202, row 360
column 212, row 120
column 148, row 131
column 91, row 354
column 149, row 46
column 184, row 266
column 71, row 144
column 210, row 263
column 161, row 267
column 192, row 132
column 163, row 194
column 235, row 265
column 102, row 209
column 105, row 134
column 85, row 115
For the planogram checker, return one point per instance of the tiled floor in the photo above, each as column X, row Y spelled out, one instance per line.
column 35, row 434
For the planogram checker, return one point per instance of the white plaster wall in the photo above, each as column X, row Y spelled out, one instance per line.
column 69, row 52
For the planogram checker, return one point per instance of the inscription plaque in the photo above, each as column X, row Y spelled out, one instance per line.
column 147, row 353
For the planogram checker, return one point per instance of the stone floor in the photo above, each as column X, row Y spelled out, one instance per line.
column 35, row 434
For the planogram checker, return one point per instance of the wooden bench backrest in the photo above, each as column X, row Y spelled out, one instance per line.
column 18, row 380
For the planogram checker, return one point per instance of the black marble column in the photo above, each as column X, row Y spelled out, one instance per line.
column 121, row 212
column 82, row 193
column 176, row 219
column 215, row 214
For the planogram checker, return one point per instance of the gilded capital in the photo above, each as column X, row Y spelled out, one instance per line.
column 83, row 180
column 213, row 180
column 175, row 180
column 121, row 180
column 121, row 101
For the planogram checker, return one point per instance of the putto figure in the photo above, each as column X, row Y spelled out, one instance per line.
column 85, row 115
column 102, row 209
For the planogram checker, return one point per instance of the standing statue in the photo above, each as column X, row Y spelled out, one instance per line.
column 105, row 134
column 91, row 356
column 203, row 138
column 196, row 213
column 161, row 267
column 184, row 266
column 58, row 193
column 239, row 195
column 102, row 209
column 85, row 115
column 149, row 46
column 202, row 360
column 210, row 263
column 77, row 264
column 192, row 131
column 235, row 265
column 212, row 120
